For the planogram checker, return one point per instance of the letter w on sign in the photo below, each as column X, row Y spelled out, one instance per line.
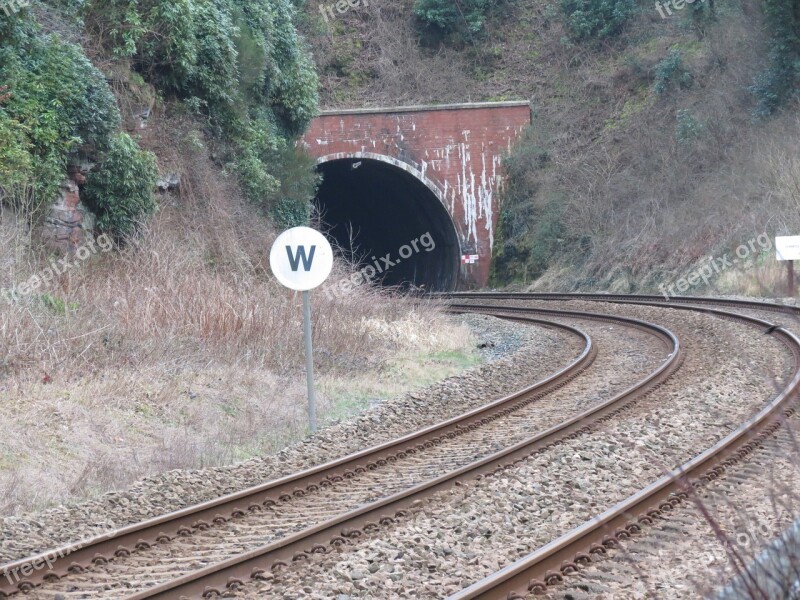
column 294, row 261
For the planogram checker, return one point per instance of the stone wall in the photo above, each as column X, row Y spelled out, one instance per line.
column 68, row 222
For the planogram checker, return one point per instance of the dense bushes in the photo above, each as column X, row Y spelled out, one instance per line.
column 531, row 228
column 596, row 19
column 56, row 103
column 672, row 71
column 466, row 17
column 240, row 63
column 781, row 80
column 120, row 192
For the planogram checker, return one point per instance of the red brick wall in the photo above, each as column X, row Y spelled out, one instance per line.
column 457, row 148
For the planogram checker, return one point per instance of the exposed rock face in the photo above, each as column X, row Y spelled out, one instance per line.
column 170, row 183
column 67, row 224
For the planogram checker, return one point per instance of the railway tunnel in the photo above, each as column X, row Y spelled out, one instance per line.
column 379, row 213
column 394, row 174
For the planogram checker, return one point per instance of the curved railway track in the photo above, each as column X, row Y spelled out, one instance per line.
column 550, row 564
column 637, row 299
column 440, row 443
column 259, row 507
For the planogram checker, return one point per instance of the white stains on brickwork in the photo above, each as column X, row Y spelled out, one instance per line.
column 476, row 192
column 467, row 184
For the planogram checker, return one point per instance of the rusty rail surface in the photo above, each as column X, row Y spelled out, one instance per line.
column 218, row 578
column 644, row 299
column 29, row 572
column 549, row 564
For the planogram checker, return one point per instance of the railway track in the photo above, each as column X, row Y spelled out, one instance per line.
column 424, row 571
column 244, row 514
column 645, row 299
column 550, row 564
column 424, row 455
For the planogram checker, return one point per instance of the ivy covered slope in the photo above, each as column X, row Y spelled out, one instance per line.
column 53, row 104
column 239, row 68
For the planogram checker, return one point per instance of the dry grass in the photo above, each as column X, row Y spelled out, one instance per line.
column 179, row 350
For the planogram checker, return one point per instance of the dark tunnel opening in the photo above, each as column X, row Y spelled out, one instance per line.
column 374, row 211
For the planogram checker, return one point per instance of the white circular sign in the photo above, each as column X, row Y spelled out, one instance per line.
column 301, row 258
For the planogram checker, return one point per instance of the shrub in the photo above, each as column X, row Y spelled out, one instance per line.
column 672, row 71
column 687, row 127
column 597, row 19
column 781, row 80
column 298, row 187
column 702, row 15
column 286, row 199
column 467, row 17
column 120, row 192
column 531, row 227
column 56, row 104
column 240, row 62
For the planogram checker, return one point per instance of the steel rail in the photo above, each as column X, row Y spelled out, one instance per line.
column 646, row 299
column 549, row 564
column 26, row 573
column 216, row 579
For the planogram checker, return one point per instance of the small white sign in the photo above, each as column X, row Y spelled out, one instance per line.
column 301, row 258
column 787, row 247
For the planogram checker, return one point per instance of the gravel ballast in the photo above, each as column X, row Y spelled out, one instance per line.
column 460, row 536
column 522, row 354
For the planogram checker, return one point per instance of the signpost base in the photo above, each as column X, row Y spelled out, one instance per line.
column 312, row 401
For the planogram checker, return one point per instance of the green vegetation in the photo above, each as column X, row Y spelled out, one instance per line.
column 702, row 16
column 672, row 72
column 466, row 18
column 530, row 233
column 687, row 127
column 781, row 80
column 596, row 19
column 121, row 191
column 240, row 64
column 398, row 376
column 56, row 305
column 55, row 105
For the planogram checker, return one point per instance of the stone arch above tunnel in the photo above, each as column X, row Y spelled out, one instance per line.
column 453, row 150
column 393, row 216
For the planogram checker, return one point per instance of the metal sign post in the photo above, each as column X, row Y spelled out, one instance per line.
column 788, row 248
column 301, row 259
column 312, row 401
